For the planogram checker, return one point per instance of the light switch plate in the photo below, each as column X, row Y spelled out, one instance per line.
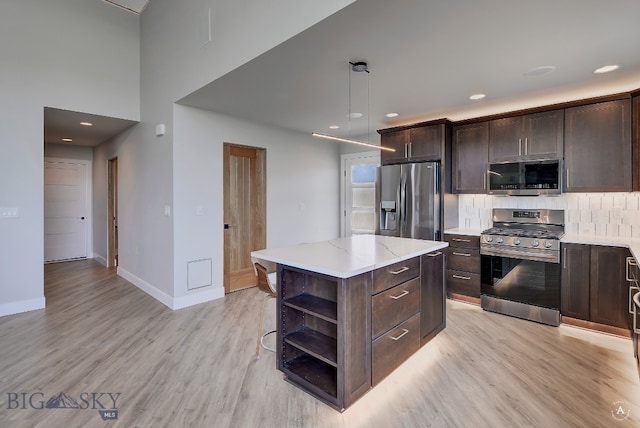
column 9, row 212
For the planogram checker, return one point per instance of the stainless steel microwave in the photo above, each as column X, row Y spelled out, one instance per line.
column 527, row 178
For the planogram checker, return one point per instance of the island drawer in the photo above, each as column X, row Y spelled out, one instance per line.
column 466, row 283
column 394, row 347
column 394, row 306
column 466, row 241
column 463, row 259
column 397, row 273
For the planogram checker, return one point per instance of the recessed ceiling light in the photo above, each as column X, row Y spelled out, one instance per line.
column 540, row 71
column 86, row 123
column 68, row 140
column 391, row 114
column 477, row 96
column 355, row 115
column 606, row 69
column 334, row 127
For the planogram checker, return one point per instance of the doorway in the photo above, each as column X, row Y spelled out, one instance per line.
column 244, row 184
column 112, row 250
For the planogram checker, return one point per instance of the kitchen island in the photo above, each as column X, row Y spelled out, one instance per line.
column 351, row 310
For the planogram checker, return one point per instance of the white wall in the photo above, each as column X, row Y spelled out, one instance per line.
column 303, row 175
column 67, row 151
column 71, row 54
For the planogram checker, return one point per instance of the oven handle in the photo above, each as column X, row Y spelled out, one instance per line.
column 522, row 255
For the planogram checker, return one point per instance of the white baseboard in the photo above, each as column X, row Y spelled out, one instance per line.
column 22, row 306
column 165, row 299
column 101, row 260
column 152, row 291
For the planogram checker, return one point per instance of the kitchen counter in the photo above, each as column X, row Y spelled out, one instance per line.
column 633, row 244
column 462, row 231
column 350, row 256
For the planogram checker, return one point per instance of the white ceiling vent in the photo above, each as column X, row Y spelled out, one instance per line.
column 135, row 6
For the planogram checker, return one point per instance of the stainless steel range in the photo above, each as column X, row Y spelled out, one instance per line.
column 521, row 264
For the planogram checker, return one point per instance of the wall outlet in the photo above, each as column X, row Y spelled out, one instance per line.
column 9, row 212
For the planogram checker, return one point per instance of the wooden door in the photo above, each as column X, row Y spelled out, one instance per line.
column 505, row 139
column 65, row 211
column 395, row 140
column 609, row 289
column 244, row 213
column 112, row 201
column 544, row 134
column 471, row 148
column 426, row 143
column 574, row 283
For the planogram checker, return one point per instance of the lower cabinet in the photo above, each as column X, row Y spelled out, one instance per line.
column 463, row 267
column 593, row 284
column 339, row 337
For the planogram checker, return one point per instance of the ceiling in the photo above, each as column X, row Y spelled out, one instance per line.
column 135, row 6
column 59, row 124
column 426, row 58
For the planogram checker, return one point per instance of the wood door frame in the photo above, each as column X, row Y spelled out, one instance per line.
column 112, row 212
column 258, row 199
column 88, row 205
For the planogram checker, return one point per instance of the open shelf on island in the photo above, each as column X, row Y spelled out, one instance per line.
column 315, row 372
column 317, row 306
column 315, row 344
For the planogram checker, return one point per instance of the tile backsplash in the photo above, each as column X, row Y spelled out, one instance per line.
column 601, row 214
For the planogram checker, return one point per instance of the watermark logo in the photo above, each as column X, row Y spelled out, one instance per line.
column 106, row 403
column 620, row 411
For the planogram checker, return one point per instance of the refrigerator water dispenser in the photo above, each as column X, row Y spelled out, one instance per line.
column 388, row 215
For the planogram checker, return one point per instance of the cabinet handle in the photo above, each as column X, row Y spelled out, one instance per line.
column 460, row 240
column 404, row 293
column 436, row 254
column 484, row 181
column 461, row 254
column 630, row 262
column 632, row 291
column 526, row 145
column 566, row 185
column 519, row 146
column 564, row 258
column 399, row 271
column 410, row 149
column 404, row 331
column 466, row 278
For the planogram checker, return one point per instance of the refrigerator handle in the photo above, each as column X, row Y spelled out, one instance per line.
column 402, row 201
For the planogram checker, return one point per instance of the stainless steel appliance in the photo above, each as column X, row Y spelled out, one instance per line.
column 408, row 200
column 520, row 264
column 633, row 276
column 528, row 178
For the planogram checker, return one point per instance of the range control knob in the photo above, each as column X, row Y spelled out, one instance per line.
column 517, row 241
column 500, row 240
column 535, row 243
column 489, row 238
column 547, row 244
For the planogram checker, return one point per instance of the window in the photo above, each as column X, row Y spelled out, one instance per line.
column 359, row 172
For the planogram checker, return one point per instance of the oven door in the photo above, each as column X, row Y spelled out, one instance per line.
column 529, row 282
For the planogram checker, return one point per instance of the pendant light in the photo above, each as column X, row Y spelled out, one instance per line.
column 357, row 67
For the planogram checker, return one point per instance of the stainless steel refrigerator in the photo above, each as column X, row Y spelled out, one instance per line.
column 408, row 200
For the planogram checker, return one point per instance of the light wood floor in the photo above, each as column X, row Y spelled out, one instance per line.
column 201, row 366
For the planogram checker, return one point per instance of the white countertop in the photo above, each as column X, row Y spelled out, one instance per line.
column 461, row 231
column 347, row 257
column 633, row 244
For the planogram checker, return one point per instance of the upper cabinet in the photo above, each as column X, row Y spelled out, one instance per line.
column 470, row 150
column 597, row 147
column 535, row 136
column 415, row 144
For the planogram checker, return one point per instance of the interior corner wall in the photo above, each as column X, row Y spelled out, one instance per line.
column 303, row 187
column 42, row 66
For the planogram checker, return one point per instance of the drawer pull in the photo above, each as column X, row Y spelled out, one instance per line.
column 466, row 278
column 404, row 331
column 632, row 291
column 460, row 240
column 399, row 271
column 436, row 254
column 630, row 262
column 404, row 293
column 461, row 254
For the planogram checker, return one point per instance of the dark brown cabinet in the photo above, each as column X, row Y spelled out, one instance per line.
column 535, row 136
column 597, row 146
column 432, row 296
column 470, row 157
column 593, row 284
column 462, row 276
column 415, row 144
column 635, row 134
